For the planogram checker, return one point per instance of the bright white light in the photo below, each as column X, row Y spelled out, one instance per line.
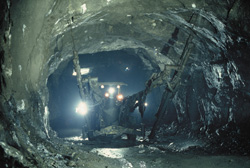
column 119, row 97
column 84, row 8
column 193, row 5
column 111, row 90
column 145, row 104
column 82, row 108
column 84, row 71
column 118, row 86
column 111, row 152
column 106, row 94
column 108, row 1
column 136, row 101
column 102, row 86
column 74, row 73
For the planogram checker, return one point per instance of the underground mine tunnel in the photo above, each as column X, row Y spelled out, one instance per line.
column 124, row 83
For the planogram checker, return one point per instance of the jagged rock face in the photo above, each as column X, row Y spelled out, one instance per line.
column 36, row 37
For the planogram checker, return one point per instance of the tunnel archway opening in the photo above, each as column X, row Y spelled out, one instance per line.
column 108, row 67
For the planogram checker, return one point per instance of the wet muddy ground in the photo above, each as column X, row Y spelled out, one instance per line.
column 173, row 152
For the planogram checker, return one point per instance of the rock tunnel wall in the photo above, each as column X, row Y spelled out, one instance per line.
column 36, row 37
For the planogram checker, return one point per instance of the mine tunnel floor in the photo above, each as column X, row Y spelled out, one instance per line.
column 173, row 151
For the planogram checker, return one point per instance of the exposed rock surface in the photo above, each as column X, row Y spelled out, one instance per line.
column 36, row 37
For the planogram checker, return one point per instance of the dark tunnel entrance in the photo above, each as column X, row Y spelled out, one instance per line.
column 108, row 67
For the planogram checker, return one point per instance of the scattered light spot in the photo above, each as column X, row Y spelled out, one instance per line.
column 20, row 105
column 46, row 119
column 57, row 21
column 171, row 144
column 142, row 151
column 108, row 1
column 142, row 164
column 126, row 164
column 8, row 72
column 20, row 67
column 84, row 71
column 110, row 152
column 24, row 27
column 141, row 146
column 8, row 3
column 26, row 87
column 193, row 5
column 153, row 24
column 9, row 39
column 49, row 12
column 101, row 20
column 76, row 138
column 84, row 8
column 124, row 136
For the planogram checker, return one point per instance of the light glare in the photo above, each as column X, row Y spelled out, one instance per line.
column 119, row 97
column 82, row 108
column 106, row 94
column 83, row 71
column 74, row 73
column 111, row 90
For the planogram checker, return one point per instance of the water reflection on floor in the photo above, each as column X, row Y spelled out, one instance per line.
column 171, row 152
column 110, row 152
column 146, row 156
column 115, row 154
